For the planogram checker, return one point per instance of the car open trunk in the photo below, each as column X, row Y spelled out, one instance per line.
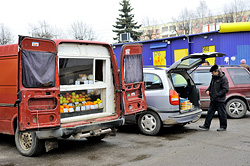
column 183, row 83
column 187, row 90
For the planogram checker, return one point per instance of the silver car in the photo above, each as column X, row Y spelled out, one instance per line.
column 171, row 94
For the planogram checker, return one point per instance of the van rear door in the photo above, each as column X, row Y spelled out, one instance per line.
column 38, row 87
column 131, row 79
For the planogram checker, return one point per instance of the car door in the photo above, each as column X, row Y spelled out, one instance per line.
column 38, row 85
column 131, row 79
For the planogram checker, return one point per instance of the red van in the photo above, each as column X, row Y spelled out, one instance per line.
column 60, row 88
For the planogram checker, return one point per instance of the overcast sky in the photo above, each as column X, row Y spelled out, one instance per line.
column 99, row 14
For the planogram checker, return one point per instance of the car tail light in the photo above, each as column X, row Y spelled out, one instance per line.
column 199, row 94
column 173, row 97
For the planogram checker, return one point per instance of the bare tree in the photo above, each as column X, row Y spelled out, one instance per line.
column 202, row 11
column 81, row 31
column 5, row 35
column 42, row 30
column 239, row 9
column 184, row 22
column 228, row 14
column 150, row 28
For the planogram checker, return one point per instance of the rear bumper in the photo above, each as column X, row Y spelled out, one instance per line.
column 61, row 132
column 183, row 118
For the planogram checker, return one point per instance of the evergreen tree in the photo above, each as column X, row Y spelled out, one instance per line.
column 126, row 24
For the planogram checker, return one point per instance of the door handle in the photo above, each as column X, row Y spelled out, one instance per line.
column 19, row 98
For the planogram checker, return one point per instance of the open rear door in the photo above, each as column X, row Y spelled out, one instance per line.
column 131, row 79
column 38, row 87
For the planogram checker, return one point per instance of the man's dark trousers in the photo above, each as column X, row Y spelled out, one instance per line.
column 220, row 107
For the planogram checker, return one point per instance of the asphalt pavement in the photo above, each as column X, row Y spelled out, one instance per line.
column 174, row 146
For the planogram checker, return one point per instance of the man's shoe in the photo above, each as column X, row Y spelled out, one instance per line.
column 221, row 129
column 204, row 127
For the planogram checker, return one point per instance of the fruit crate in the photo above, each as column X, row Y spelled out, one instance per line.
column 86, row 112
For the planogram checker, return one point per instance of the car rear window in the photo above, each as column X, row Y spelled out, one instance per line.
column 239, row 75
column 202, row 77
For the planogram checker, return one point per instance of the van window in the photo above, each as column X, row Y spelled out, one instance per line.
column 178, row 80
column 74, row 71
column 152, row 81
column 202, row 77
column 239, row 76
column 38, row 68
column 133, row 68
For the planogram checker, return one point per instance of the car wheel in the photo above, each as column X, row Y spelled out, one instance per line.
column 28, row 144
column 236, row 108
column 96, row 138
column 149, row 123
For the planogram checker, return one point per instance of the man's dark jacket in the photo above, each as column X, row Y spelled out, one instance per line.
column 218, row 87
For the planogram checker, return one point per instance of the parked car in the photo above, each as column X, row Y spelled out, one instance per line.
column 172, row 96
column 238, row 97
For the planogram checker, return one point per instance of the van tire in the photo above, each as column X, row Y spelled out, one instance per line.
column 149, row 123
column 236, row 108
column 28, row 144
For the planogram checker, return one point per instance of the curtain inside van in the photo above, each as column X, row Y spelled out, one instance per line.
column 39, row 68
column 133, row 68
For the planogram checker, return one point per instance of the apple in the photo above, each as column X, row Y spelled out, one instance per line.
column 73, row 93
column 77, row 100
column 77, row 96
column 73, row 100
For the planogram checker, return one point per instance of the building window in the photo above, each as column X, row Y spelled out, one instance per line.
column 239, row 19
column 180, row 27
column 142, row 32
column 197, row 25
column 157, row 31
column 172, row 28
column 229, row 19
column 149, row 32
column 164, row 29
column 217, row 20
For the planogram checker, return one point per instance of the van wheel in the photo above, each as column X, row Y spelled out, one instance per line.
column 28, row 144
column 96, row 138
column 149, row 123
column 236, row 108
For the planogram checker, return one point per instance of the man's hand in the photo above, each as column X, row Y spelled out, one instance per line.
column 207, row 92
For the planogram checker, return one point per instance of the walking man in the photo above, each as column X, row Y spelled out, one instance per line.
column 217, row 91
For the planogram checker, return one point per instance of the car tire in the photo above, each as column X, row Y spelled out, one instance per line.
column 28, row 144
column 149, row 123
column 236, row 108
column 96, row 138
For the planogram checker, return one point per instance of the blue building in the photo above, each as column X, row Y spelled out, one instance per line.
column 236, row 46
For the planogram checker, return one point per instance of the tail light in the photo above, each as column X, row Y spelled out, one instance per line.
column 199, row 94
column 174, row 97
